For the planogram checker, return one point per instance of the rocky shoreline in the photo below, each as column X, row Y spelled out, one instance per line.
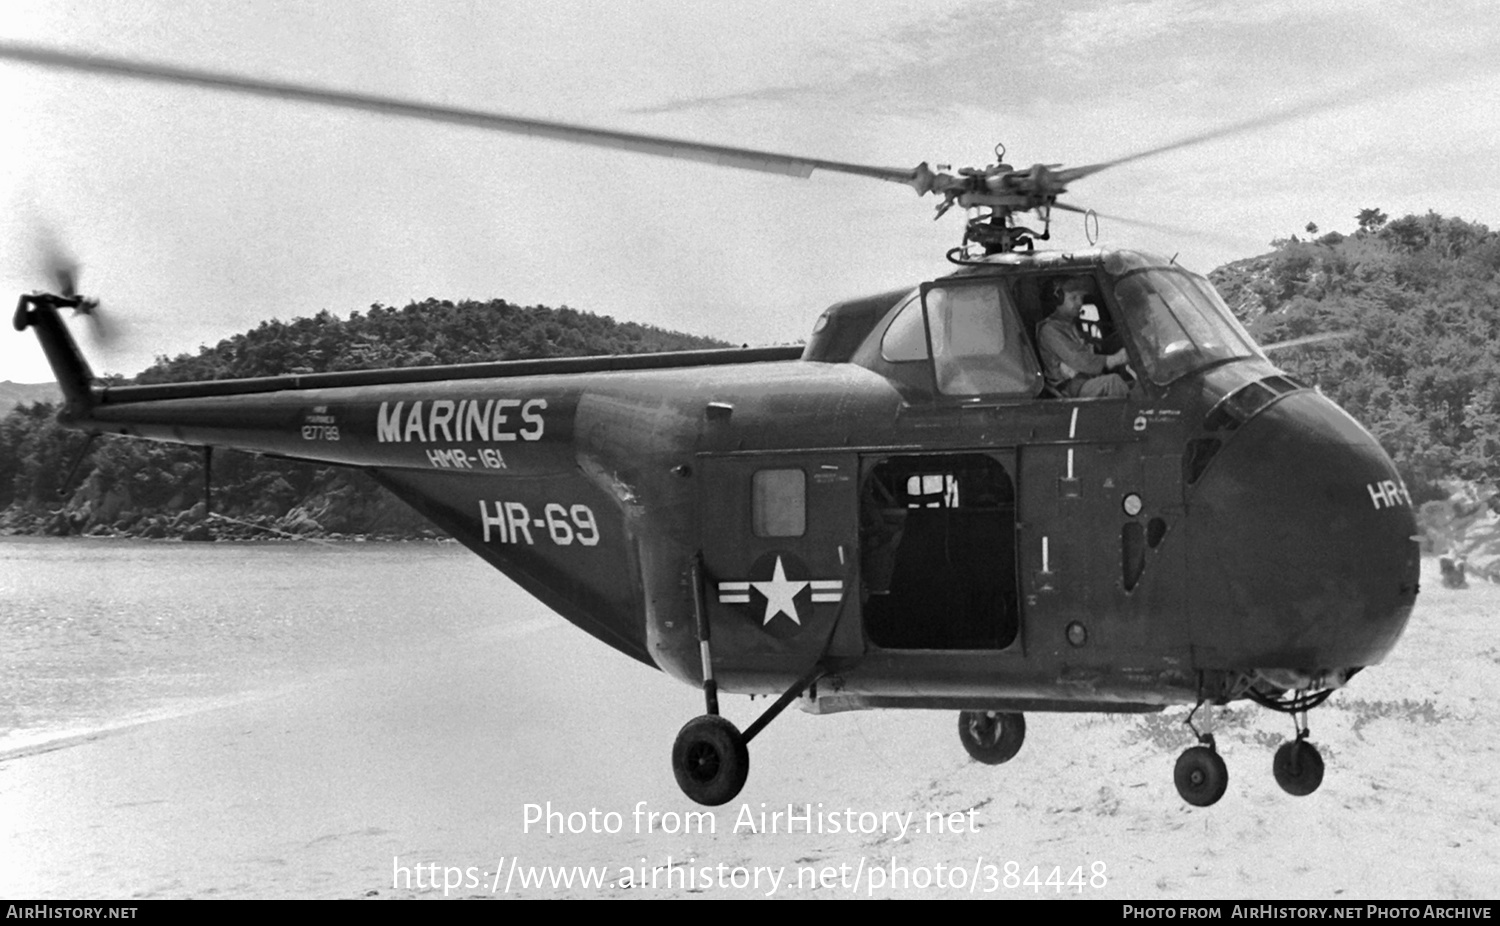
column 192, row 524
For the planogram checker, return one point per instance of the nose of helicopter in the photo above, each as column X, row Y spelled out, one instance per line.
column 1303, row 553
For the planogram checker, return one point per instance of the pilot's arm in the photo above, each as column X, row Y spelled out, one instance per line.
column 1072, row 354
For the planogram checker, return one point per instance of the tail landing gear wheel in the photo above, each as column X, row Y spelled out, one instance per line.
column 1201, row 776
column 1298, row 767
column 992, row 737
column 710, row 760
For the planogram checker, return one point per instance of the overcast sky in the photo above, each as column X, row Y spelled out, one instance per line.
column 197, row 214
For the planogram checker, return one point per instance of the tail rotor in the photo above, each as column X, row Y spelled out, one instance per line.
column 62, row 271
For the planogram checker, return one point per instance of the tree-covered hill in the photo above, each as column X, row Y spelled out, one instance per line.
column 145, row 488
column 1421, row 368
column 421, row 334
column 13, row 394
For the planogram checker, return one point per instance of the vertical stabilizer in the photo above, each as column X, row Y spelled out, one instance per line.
column 39, row 311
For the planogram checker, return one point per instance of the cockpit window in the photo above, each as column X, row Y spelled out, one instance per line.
column 1180, row 323
column 978, row 346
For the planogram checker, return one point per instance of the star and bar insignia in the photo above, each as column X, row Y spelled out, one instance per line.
column 779, row 591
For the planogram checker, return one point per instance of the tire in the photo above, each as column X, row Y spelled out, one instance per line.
column 1201, row 776
column 710, row 760
column 1298, row 768
column 992, row 737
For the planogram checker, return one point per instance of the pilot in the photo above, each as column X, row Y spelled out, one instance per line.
column 1070, row 364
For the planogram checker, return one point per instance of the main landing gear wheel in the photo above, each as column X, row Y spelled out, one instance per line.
column 992, row 737
column 1298, row 767
column 710, row 760
column 1201, row 776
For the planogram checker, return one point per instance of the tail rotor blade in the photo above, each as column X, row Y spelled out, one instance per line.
column 57, row 263
column 62, row 272
column 100, row 325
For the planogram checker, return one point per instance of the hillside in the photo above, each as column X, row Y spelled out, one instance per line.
column 13, row 394
column 1421, row 296
column 149, row 489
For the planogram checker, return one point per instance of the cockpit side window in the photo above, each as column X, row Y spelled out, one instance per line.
column 979, row 346
column 906, row 338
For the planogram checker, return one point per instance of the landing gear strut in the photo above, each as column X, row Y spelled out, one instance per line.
column 1298, row 766
column 1201, row 775
column 992, row 737
column 711, row 757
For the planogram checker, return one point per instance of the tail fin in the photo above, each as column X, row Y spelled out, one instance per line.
column 39, row 311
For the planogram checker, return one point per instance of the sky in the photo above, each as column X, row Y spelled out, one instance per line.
column 196, row 215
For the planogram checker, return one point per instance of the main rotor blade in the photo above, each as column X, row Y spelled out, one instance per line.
column 1307, row 339
column 1178, row 230
column 721, row 155
column 1386, row 85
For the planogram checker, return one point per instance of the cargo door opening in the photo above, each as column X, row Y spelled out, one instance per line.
column 938, row 552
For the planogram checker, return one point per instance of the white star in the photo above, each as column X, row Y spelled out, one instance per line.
column 779, row 593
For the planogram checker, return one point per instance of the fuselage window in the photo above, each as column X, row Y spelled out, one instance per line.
column 935, row 490
column 779, row 503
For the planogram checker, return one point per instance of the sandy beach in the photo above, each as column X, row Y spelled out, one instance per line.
column 430, row 772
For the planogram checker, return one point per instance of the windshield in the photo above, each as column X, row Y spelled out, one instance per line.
column 1180, row 323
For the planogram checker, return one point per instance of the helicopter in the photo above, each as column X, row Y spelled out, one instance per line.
column 906, row 512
